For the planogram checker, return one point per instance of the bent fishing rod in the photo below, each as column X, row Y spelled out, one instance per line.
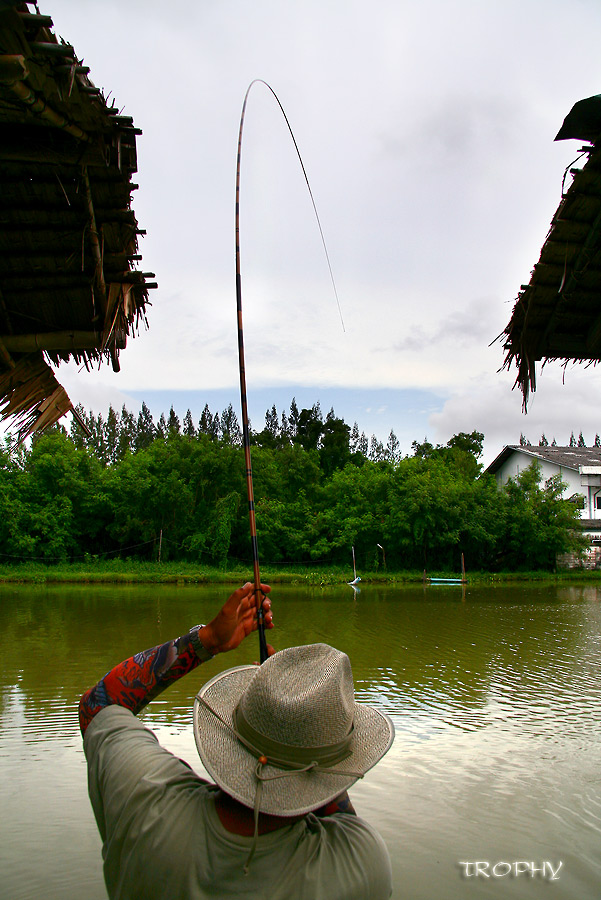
column 259, row 596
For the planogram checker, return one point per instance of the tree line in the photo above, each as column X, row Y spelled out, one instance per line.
column 116, row 434
column 124, row 486
column 573, row 442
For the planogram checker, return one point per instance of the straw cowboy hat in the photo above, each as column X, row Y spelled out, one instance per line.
column 288, row 737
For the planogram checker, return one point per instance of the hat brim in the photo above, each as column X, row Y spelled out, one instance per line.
column 233, row 767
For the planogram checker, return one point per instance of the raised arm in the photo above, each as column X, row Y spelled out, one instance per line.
column 138, row 680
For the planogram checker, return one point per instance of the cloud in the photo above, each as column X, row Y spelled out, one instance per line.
column 467, row 327
column 562, row 404
column 427, row 133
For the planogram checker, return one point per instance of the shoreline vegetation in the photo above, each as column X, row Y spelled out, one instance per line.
column 134, row 572
column 124, row 496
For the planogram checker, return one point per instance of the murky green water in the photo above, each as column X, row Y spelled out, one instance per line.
column 495, row 696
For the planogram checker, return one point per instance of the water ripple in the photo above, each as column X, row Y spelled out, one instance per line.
column 496, row 699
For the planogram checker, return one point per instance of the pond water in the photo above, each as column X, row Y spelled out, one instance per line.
column 495, row 694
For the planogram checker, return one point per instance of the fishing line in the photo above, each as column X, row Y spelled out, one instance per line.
column 306, row 177
column 243, row 401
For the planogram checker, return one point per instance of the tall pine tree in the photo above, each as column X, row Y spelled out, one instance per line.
column 189, row 429
column 145, row 430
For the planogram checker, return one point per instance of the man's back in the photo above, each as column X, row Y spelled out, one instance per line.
column 163, row 837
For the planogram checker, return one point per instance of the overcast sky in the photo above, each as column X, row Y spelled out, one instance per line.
column 426, row 129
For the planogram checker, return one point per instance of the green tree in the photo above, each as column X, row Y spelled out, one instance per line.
column 272, row 423
column 127, row 433
column 287, row 488
column 230, row 431
column 362, row 445
column 63, row 503
column 173, row 423
column 161, row 427
column 376, row 450
column 97, row 441
column 270, row 436
column 189, row 429
column 540, row 524
column 471, row 443
column 428, row 509
column 463, row 452
column 285, row 431
column 111, row 436
column 205, row 425
column 149, row 494
column 392, row 452
column 215, row 540
column 424, row 449
column 314, row 497
column 15, row 537
column 293, row 419
column 350, row 511
column 334, row 451
column 146, row 430
column 309, row 427
column 79, row 435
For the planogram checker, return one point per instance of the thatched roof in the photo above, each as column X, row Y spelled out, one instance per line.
column 69, row 281
column 558, row 313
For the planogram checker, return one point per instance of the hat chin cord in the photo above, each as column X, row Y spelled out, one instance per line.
column 292, row 759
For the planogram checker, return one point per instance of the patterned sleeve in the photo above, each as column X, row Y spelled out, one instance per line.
column 342, row 804
column 138, row 680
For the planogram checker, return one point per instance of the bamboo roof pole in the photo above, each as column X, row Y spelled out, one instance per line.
column 80, row 422
column 4, row 310
column 4, row 353
column 51, row 340
column 12, row 68
column 95, row 241
column 5, row 356
column 13, row 72
column 99, row 282
column 35, row 19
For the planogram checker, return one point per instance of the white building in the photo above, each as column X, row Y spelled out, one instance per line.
column 580, row 469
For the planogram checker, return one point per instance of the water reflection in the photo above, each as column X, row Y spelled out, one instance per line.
column 495, row 695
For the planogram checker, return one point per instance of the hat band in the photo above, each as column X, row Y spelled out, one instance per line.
column 289, row 755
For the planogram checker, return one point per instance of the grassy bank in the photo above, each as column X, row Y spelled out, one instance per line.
column 135, row 572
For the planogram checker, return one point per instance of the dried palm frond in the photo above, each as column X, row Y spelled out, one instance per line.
column 31, row 396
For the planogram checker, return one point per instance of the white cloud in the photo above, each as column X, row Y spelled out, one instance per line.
column 562, row 404
column 427, row 132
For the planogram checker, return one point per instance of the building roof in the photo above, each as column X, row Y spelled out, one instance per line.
column 566, row 457
column 557, row 315
column 70, row 279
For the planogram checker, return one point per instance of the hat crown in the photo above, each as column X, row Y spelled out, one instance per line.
column 302, row 696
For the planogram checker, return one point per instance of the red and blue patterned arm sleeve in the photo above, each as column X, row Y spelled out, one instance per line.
column 138, row 680
column 342, row 803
